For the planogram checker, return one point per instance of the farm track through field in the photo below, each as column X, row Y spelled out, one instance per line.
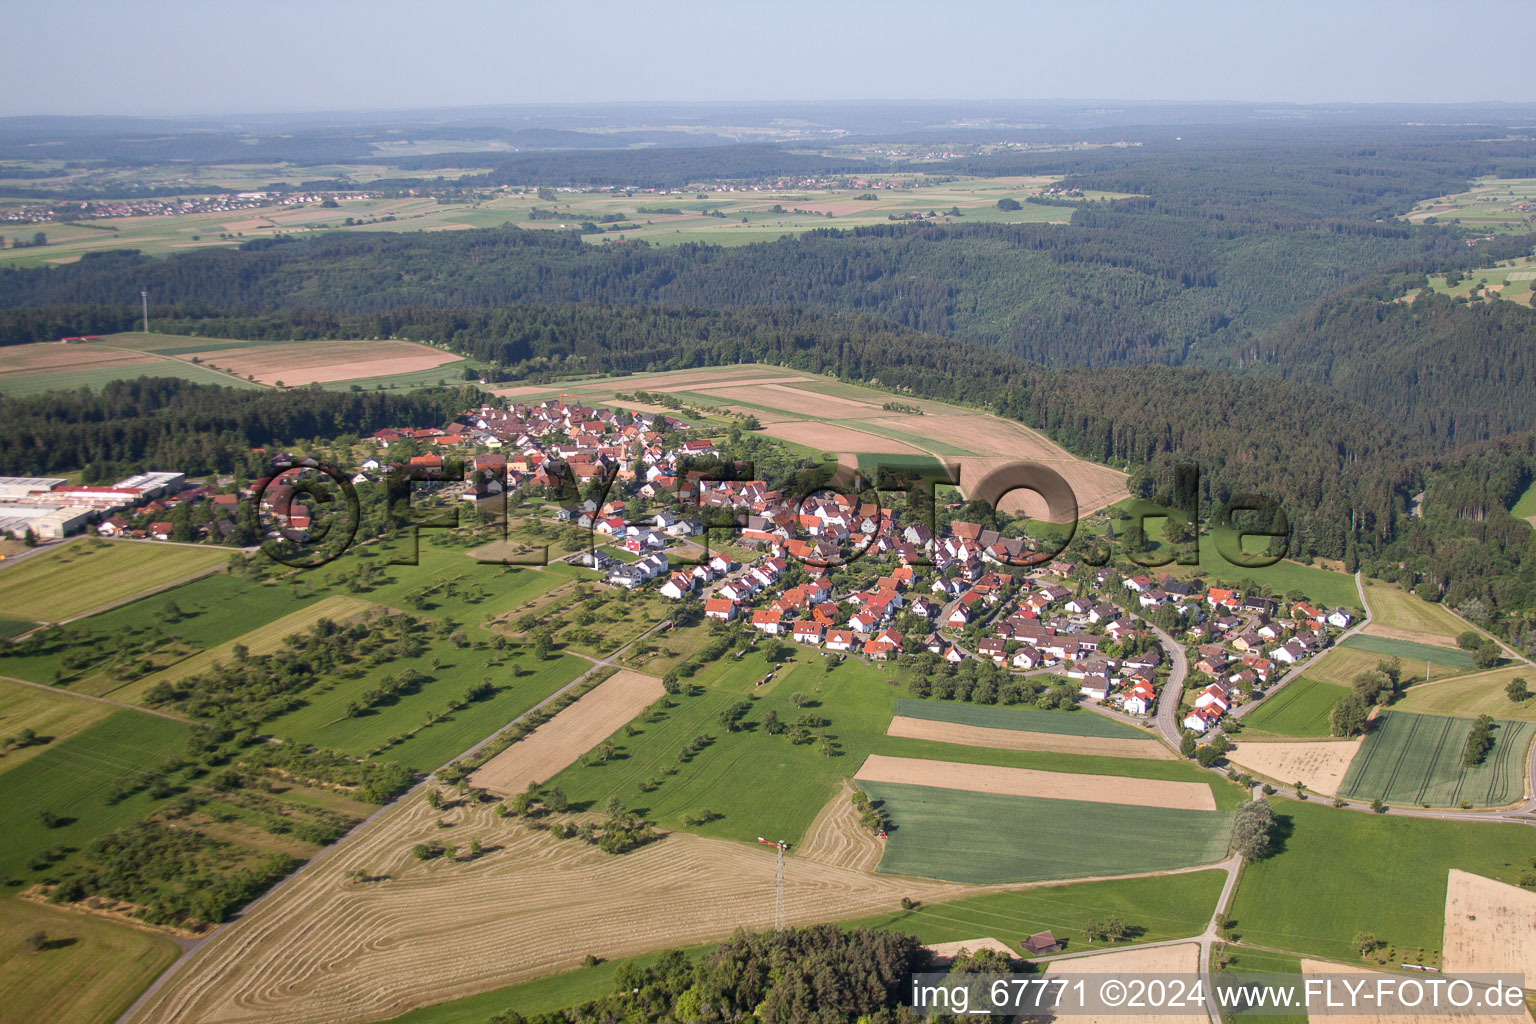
column 171, row 716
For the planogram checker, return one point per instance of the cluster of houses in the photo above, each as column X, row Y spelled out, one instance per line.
column 1244, row 643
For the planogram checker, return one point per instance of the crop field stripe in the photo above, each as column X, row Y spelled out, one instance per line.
column 1402, row 755
column 1445, row 730
column 1357, row 769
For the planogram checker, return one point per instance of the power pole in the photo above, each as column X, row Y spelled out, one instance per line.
column 778, row 882
column 144, row 298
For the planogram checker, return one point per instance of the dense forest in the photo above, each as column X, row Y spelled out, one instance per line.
column 817, row 975
column 1126, row 282
column 197, row 428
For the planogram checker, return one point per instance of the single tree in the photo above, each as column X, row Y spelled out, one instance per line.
column 1253, row 829
column 1517, row 689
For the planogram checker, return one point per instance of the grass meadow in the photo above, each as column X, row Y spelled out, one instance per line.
column 1338, row 873
column 758, row 784
column 1399, row 609
column 438, row 735
column 986, row 838
column 1169, row 907
column 1362, row 652
column 73, row 779
column 1300, row 710
column 84, row 574
column 52, row 716
column 20, row 385
column 1411, row 759
column 1061, row 723
column 215, row 610
column 1469, row 696
column 89, row 973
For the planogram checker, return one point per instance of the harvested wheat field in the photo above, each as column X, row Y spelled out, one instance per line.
column 833, row 437
column 1013, row 739
column 1411, row 636
column 986, row 778
column 323, row 949
column 776, row 395
column 52, row 356
column 1490, row 927
column 557, row 744
column 1162, row 960
column 1324, row 967
column 837, row 838
column 1320, row 764
column 319, row 362
column 1095, row 487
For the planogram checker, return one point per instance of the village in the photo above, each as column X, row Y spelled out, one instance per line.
column 845, row 576
column 829, row 571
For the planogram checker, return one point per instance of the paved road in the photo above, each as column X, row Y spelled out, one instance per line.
column 1173, row 690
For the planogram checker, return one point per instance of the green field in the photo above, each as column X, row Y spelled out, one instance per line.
column 1301, row 710
column 1399, row 609
column 1408, row 650
column 985, row 838
column 1525, row 506
column 520, row 684
column 1479, row 694
column 52, row 716
column 14, row 627
column 1414, row 759
column 1342, row 663
column 542, row 995
column 1060, row 723
column 89, row 974
column 73, row 780
column 1339, row 873
column 1167, row 907
column 85, row 574
column 452, row 585
column 21, row 385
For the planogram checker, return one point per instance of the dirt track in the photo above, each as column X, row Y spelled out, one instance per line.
column 1014, row 739
column 984, row 778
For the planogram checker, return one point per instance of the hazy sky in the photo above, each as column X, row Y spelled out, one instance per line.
column 212, row 56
